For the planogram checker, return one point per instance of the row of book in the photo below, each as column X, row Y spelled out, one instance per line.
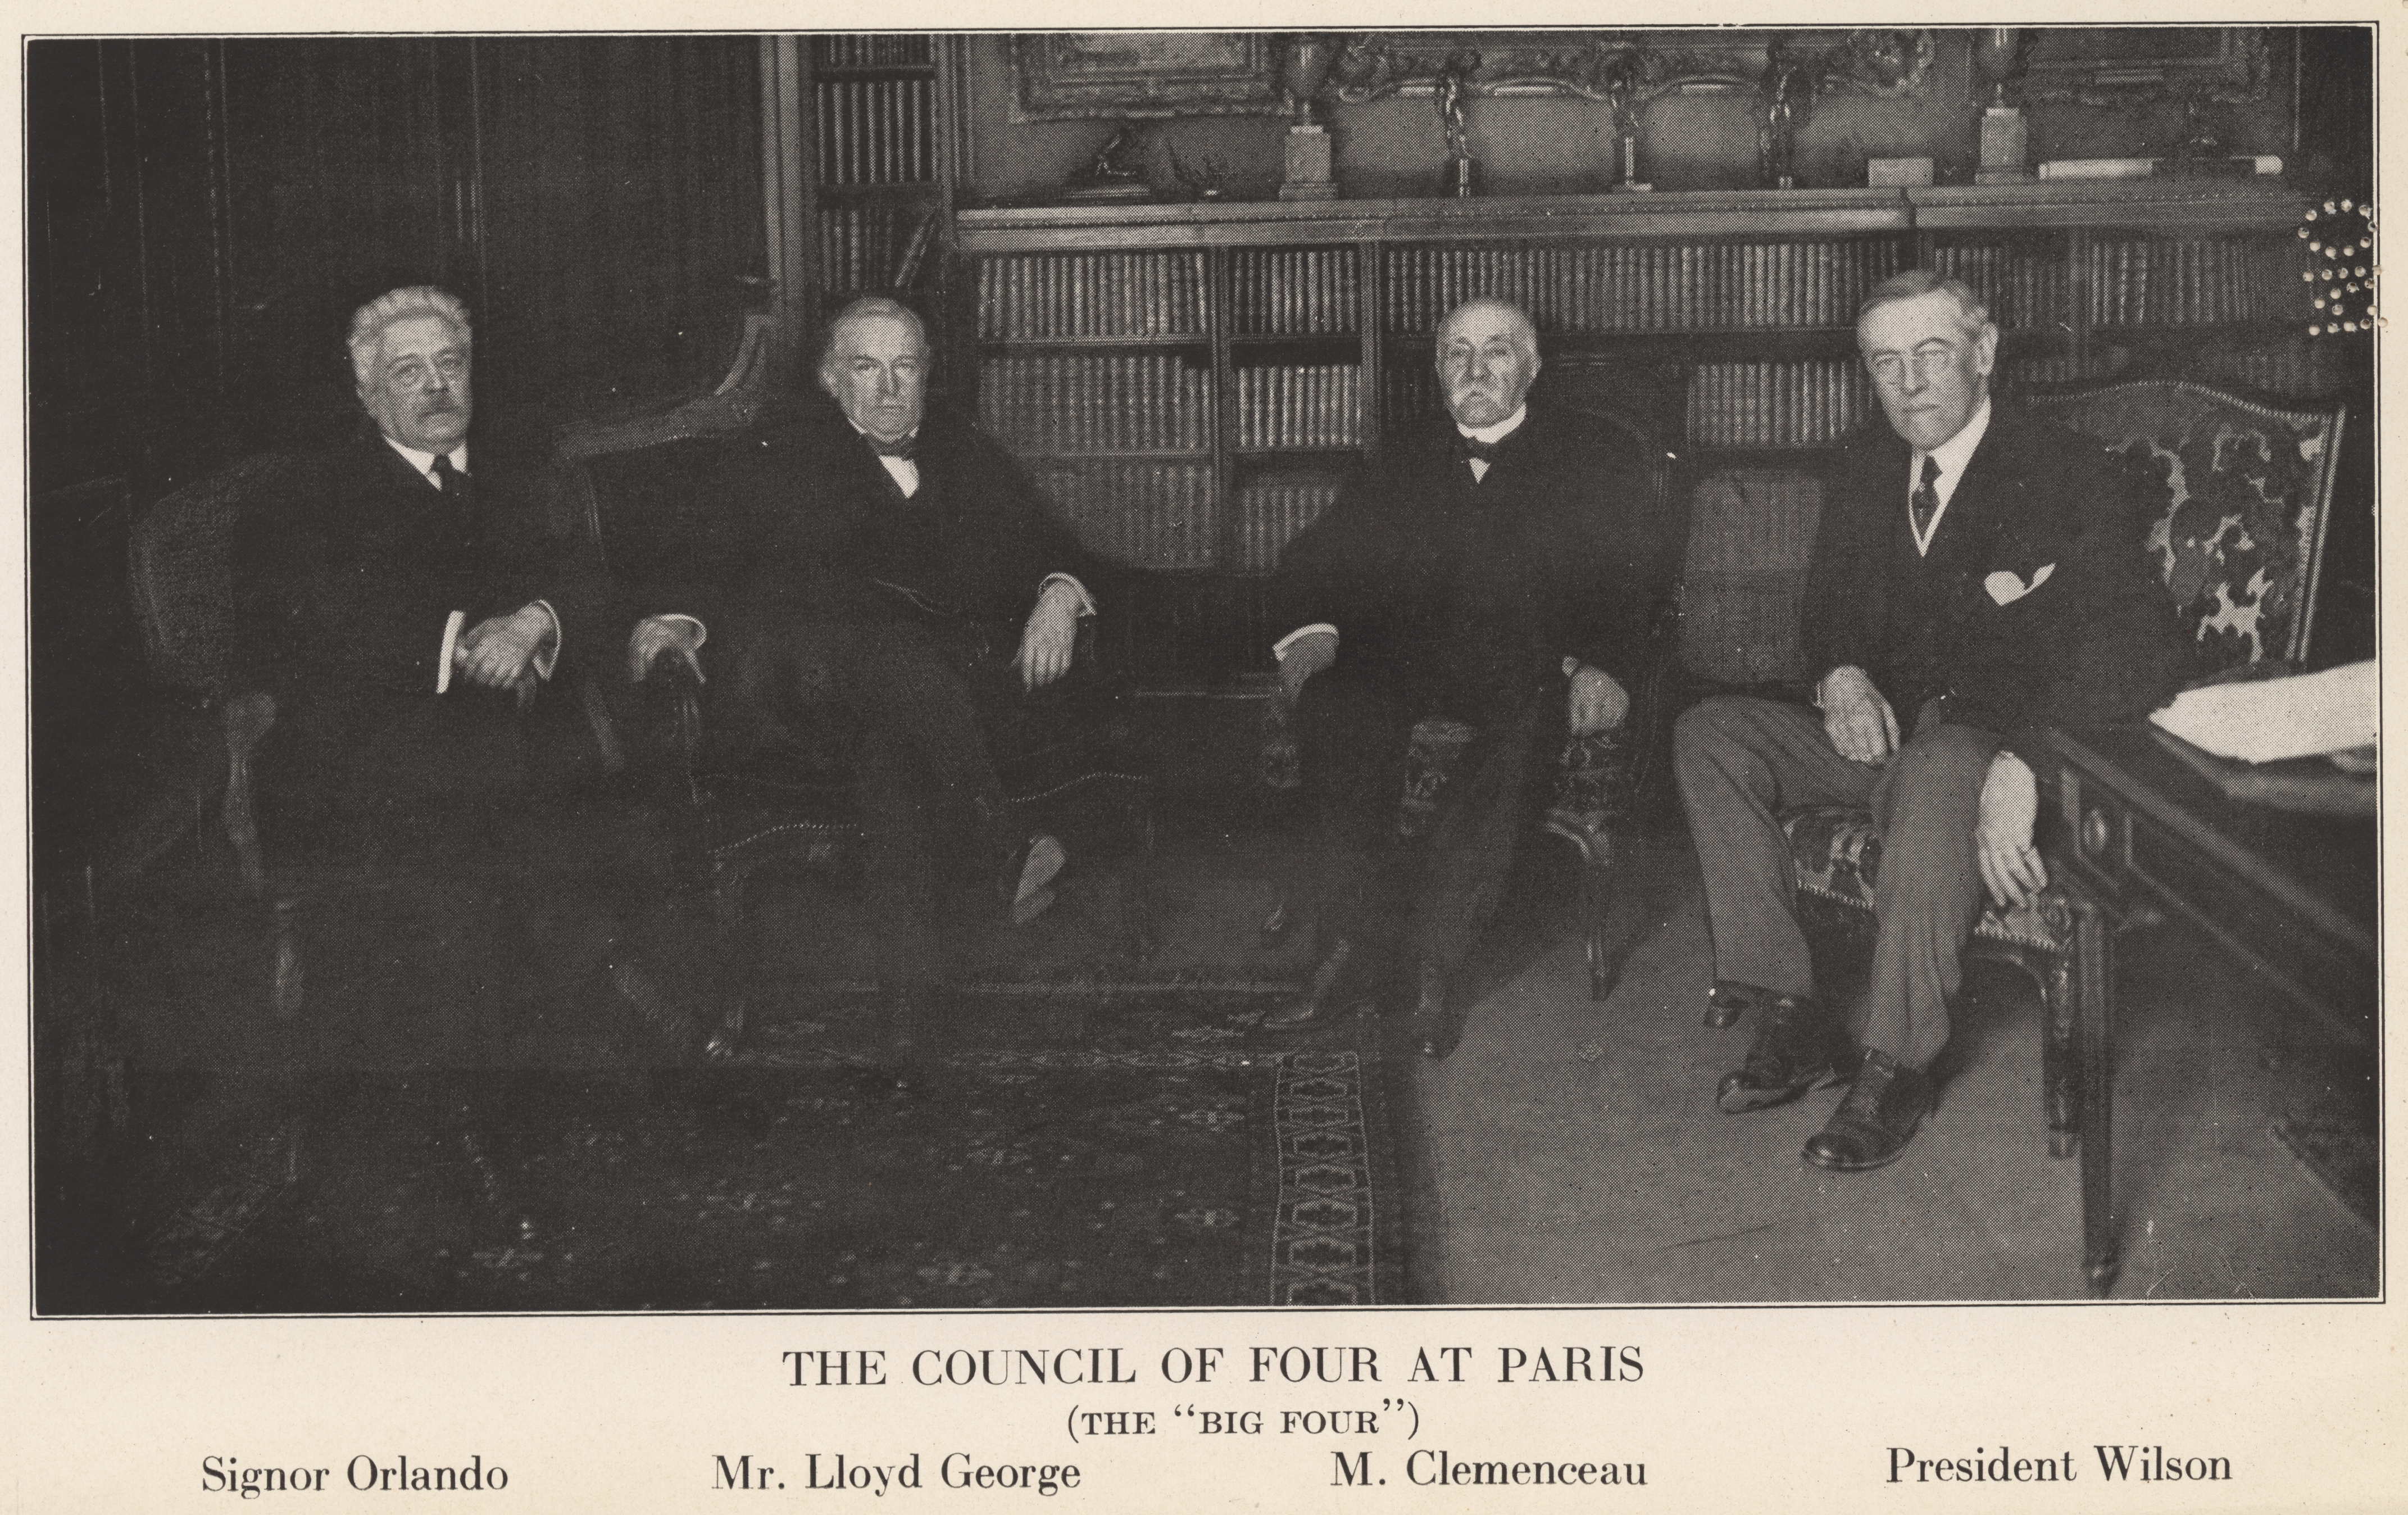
column 1643, row 287
column 866, row 248
column 1097, row 402
column 2024, row 286
column 877, row 131
column 1169, row 515
column 1051, row 295
column 1305, row 292
column 1799, row 404
column 1271, row 509
column 873, row 50
column 1149, row 515
column 2197, row 282
column 1304, row 406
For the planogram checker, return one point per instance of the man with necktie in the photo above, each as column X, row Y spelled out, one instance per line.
column 401, row 598
column 1487, row 571
column 1977, row 573
column 405, row 602
column 901, row 571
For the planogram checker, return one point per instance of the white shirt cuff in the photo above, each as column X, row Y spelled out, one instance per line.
column 1086, row 600
column 547, row 657
column 451, row 625
column 1278, row 648
column 701, row 633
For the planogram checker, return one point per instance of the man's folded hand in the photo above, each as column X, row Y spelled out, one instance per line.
column 499, row 653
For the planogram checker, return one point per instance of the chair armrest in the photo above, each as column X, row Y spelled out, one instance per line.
column 669, row 701
column 247, row 718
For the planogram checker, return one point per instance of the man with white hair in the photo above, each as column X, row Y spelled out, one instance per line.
column 900, row 568
column 1492, row 570
column 404, row 603
column 400, row 595
column 1977, row 573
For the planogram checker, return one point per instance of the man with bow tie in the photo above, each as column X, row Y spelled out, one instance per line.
column 903, row 572
column 1977, row 573
column 1485, row 572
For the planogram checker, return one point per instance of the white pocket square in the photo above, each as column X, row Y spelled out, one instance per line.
column 2005, row 589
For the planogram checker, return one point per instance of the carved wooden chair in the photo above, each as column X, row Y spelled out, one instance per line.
column 2239, row 544
column 1597, row 781
column 182, row 585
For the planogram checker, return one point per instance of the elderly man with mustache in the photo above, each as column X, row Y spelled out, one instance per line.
column 1487, row 571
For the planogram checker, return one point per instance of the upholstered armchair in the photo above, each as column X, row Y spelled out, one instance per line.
column 1595, row 783
column 2238, row 544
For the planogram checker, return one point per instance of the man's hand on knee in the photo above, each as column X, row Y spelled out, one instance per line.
column 1050, row 636
column 1304, row 657
column 2012, row 869
column 1598, row 702
column 1856, row 717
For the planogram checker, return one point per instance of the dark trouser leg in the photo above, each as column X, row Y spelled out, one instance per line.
column 915, row 691
column 1351, row 734
column 1471, row 847
column 1930, row 888
column 1740, row 761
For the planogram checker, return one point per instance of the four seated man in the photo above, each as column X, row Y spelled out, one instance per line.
column 881, row 562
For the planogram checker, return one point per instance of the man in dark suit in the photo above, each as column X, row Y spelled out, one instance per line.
column 1482, row 572
column 406, row 607
column 904, row 571
column 1977, row 573
column 403, row 604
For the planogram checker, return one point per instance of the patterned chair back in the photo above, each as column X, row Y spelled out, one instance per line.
column 182, row 581
column 2248, row 493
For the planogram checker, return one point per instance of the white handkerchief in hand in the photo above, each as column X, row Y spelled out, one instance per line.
column 2005, row 589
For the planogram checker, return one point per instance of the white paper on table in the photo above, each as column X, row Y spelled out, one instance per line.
column 2276, row 718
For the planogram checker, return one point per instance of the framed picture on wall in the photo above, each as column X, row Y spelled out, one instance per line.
column 1064, row 75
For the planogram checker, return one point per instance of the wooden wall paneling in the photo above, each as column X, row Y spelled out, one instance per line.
column 84, row 274
column 619, row 215
column 345, row 181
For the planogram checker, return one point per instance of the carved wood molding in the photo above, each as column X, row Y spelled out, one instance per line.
column 1626, row 68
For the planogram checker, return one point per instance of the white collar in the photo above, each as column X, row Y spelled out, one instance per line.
column 863, row 433
column 1498, row 432
column 424, row 462
column 1952, row 455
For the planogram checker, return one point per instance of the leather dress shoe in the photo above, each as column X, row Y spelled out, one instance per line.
column 1333, row 990
column 1794, row 1049
column 1027, row 875
column 1873, row 1124
column 1727, row 1000
column 904, row 1021
column 1436, row 1026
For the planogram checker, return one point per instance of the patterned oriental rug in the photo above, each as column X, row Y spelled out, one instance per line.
column 1122, row 1147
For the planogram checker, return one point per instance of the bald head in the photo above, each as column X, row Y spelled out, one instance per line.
column 1487, row 356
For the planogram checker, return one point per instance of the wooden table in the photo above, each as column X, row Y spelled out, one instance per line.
column 2134, row 833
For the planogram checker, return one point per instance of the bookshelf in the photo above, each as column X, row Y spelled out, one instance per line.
column 866, row 151
column 1255, row 354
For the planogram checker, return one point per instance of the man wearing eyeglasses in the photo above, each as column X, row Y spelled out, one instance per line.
column 1977, row 574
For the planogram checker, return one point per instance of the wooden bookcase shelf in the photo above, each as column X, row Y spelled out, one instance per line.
column 1736, row 306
